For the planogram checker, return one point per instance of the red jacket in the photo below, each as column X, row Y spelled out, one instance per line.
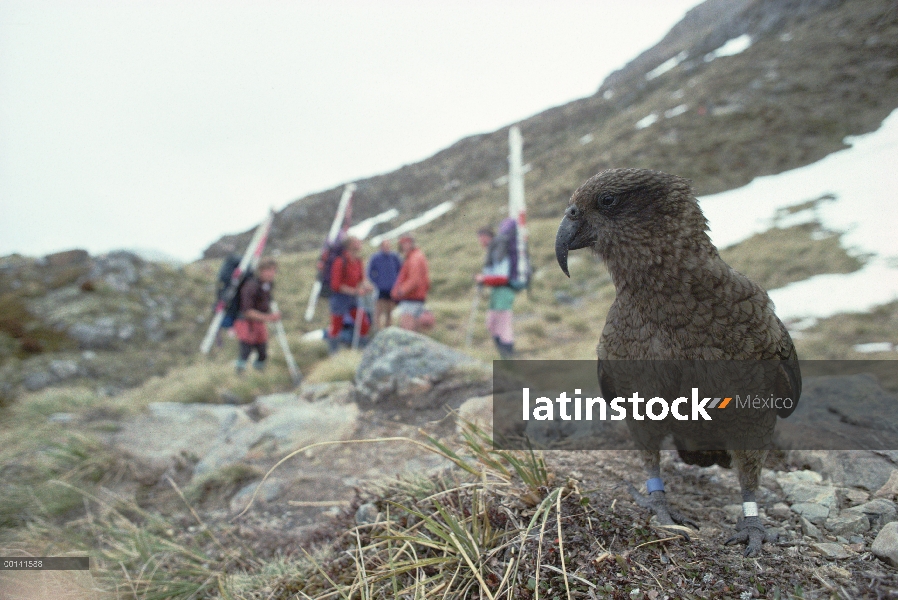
column 413, row 281
column 351, row 274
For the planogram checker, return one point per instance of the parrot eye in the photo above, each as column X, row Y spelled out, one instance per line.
column 607, row 201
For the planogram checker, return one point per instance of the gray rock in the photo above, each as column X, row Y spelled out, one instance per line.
column 852, row 496
column 733, row 512
column 848, row 523
column 170, row 432
column 272, row 403
column 118, row 269
column 831, row 550
column 878, row 511
column 63, row 418
column 367, row 513
column 815, row 494
column 288, row 428
column 844, row 412
column 269, row 491
column 889, row 490
column 780, row 510
column 398, row 362
column 153, row 327
column 38, row 381
column 793, row 477
column 885, row 546
column 99, row 335
column 63, row 369
column 67, row 258
column 850, row 468
column 126, row 332
column 809, row 529
column 813, row 512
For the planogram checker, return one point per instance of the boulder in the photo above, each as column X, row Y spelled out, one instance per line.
column 808, row 496
column 889, row 489
column 215, row 436
column 172, row 432
column 63, row 369
column 38, row 381
column 813, row 512
column 67, row 258
column 848, row 523
column 269, row 491
column 99, row 335
column 118, row 269
column 477, row 411
column 406, row 366
column 879, row 512
column 851, row 468
column 885, row 546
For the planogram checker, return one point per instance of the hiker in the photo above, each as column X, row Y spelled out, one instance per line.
column 348, row 284
column 496, row 275
column 255, row 312
column 383, row 269
column 410, row 289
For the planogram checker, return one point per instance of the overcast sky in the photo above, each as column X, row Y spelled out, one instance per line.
column 165, row 124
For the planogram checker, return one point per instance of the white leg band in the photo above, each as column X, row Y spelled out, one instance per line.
column 750, row 509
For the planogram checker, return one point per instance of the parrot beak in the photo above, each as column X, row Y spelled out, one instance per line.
column 571, row 236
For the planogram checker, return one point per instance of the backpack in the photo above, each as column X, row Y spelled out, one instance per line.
column 232, row 309
column 332, row 251
column 506, row 246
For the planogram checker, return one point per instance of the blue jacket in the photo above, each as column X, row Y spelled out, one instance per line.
column 383, row 269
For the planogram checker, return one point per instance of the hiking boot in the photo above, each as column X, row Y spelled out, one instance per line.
column 506, row 350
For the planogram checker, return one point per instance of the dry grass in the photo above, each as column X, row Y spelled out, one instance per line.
column 339, row 367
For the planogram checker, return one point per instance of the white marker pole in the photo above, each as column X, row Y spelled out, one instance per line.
column 517, row 208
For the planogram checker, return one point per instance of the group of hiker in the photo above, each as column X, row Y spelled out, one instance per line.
column 389, row 283
column 400, row 283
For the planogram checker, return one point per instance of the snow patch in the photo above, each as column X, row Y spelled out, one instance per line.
column 313, row 336
column 412, row 224
column 731, row 47
column 608, row 95
column 586, row 139
column 874, row 347
column 853, row 192
column 362, row 229
column 823, row 296
column 676, row 111
column 667, row 65
column 646, row 121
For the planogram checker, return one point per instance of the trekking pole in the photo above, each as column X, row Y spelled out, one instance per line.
column 295, row 374
column 469, row 333
column 357, row 326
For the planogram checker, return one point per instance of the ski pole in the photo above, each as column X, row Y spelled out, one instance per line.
column 469, row 334
column 361, row 306
column 295, row 374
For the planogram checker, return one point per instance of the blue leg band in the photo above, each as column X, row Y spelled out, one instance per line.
column 654, row 484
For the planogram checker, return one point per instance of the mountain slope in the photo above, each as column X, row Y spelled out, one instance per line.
column 814, row 72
